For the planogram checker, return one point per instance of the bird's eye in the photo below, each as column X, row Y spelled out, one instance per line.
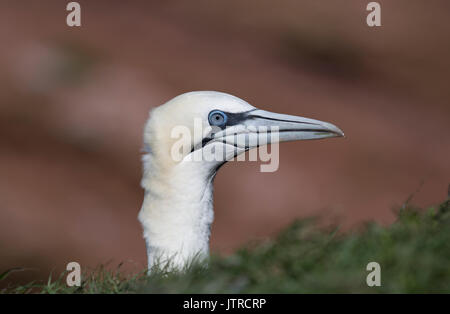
column 217, row 118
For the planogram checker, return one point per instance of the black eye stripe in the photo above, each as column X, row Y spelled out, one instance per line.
column 235, row 118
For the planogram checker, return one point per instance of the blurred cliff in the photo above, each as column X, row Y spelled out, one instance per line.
column 73, row 102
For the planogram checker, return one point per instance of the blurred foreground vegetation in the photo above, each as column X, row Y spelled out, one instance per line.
column 413, row 253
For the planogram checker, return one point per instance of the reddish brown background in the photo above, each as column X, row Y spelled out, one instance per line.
column 73, row 102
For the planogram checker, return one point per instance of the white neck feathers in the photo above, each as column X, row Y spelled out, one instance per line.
column 177, row 212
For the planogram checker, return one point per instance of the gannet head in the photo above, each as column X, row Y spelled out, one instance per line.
column 206, row 123
column 186, row 140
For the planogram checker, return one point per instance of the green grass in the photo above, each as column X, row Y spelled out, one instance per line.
column 414, row 254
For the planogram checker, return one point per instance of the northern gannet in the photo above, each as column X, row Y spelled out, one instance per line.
column 177, row 211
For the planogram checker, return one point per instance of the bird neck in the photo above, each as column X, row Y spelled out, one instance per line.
column 176, row 214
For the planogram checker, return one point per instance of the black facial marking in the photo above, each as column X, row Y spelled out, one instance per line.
column 235, row 118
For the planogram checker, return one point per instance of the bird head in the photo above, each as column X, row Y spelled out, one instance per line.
column 216, row 127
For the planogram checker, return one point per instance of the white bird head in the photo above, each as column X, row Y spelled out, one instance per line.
column 219, row 122
column 177, row 210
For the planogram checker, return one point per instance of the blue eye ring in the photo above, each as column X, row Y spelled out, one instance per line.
column 217, row 118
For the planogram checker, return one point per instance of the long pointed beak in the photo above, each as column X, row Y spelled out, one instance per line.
column 292, row 128
column 259, row 127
